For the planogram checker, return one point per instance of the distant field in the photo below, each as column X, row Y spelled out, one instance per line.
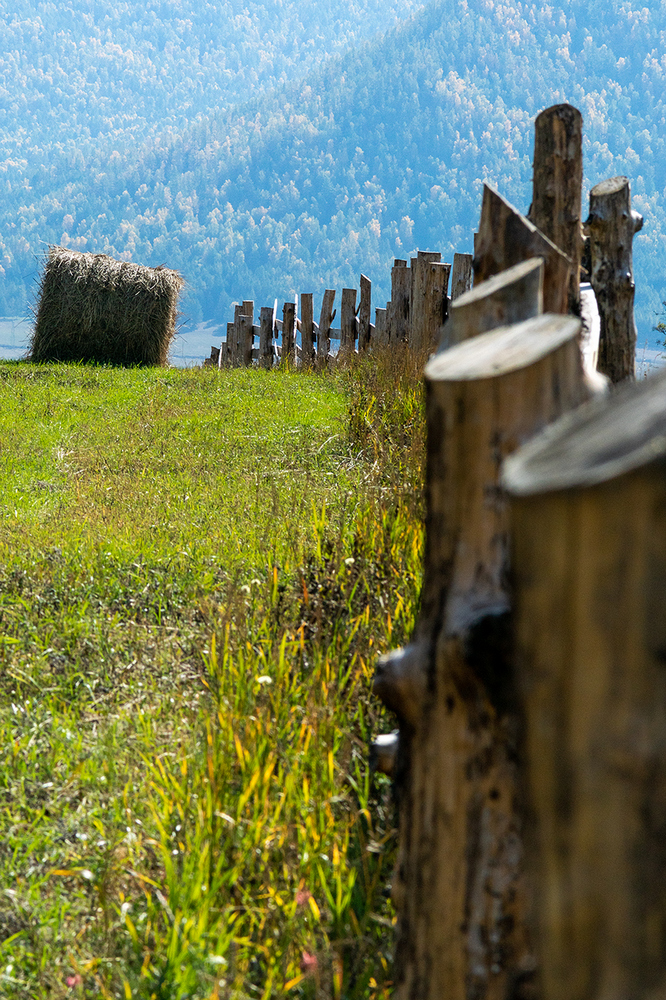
column 197, row 570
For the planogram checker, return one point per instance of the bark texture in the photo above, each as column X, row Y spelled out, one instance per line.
column 557, row 182
column 611, row 226
column 506, row 237
column 459, row 884
column 589, row 539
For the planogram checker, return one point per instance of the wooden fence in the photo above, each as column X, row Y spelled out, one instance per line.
column 533, row 691
column 416, row 315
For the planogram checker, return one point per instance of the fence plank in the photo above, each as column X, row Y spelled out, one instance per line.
column 506, row 237
column 381, row 327
column 307, row 329
column 246, row 329
column 612, row 226
column 556, row 186
column 398, row 320
column 236, row 350
column 266, row 352
column 364, row 314
column 288, row 325
column 225, row 351
column 429, row 302
column 461, row 274
column 326, row 317
column 348, row 322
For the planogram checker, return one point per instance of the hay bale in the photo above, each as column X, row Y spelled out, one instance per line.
column 94, row 308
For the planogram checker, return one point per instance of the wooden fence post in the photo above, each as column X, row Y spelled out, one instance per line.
column 508, row 297
column 246, row 333
column 589, row 557
column 236, row 350
column 612, row 226
column 461, row 274
column 381, row 327
column 506, row 237
column 266, row 337
column 307, row 329
column 401, row 282
column 326, row 318
column 364, row 314
column 348, row 322
column 288, row 324
column 556, row 186
column 459, row 884
column 429, row 301
column 226, row 354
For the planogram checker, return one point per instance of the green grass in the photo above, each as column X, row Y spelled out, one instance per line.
column 197, row 570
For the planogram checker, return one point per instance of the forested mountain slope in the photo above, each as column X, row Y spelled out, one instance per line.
column 371, row 154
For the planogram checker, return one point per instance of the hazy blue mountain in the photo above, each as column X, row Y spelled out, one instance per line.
column 260, row 188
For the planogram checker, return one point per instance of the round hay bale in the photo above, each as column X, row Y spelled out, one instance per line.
column 94, row 308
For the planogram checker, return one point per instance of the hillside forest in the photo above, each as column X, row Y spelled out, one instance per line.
column 281, row 147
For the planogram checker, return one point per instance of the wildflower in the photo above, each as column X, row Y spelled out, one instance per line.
column 73, row 981
column 309, row 963
column 302, row 896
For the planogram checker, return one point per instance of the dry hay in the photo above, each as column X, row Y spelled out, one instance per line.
column 94, row 308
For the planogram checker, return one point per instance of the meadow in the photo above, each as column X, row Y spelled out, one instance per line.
column 197, row 572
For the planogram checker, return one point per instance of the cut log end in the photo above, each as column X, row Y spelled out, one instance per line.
column 503, row 350
column 602, row 440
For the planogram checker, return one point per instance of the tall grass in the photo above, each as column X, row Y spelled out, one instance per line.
column 197, row 570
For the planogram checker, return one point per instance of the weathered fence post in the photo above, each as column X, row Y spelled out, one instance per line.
column 246, row 333
column 429, row 301
column 461, row 274
column 612, row 226
column 589, row 564
column 459, row 884
column 226, row 351
column 326, row 317
column 266, row 322
column 348, row 322
column 506, row 237
column 288, row 340
column 508, row 297
column 307, row 329
column 236, row 350
column 364, row 314
column 556, row 186
column 381, row 327
column 401, row 283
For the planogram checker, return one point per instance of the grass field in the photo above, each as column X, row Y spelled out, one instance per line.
column 197, row 571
